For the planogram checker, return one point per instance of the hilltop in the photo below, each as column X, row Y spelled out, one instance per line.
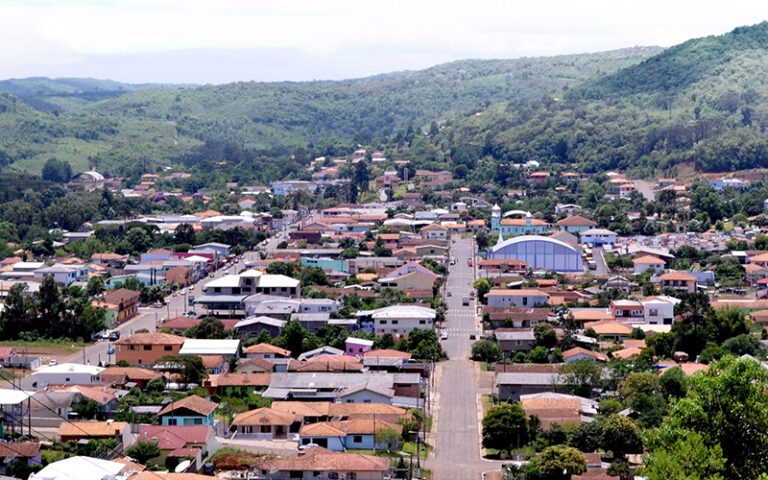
column 164, row 124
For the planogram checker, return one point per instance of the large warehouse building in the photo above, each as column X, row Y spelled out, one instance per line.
column 539, row 252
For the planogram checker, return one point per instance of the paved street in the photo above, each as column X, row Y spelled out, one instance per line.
column 457, row 440
column 598, row 255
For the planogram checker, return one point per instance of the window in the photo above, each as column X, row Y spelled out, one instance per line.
column 266, row 428
column 168, row 348
column 217, row 289
column 296, row 474
column 395, row 322
column 654, row 312
column 66, row 379
column 382, row 322
column 525, row 300
column 357, row 439
column 198, row 421
column 139, row 362
column 132, row 347
column 147, row 347
column 172, row 421
column 352, row 476
column 422, row 322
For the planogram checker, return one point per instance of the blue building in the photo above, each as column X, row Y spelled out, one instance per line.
column 539, row 252
column 597, row 237
column 192, row 410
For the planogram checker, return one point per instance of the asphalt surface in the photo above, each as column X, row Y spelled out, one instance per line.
column 457, row 434
column 598, row 255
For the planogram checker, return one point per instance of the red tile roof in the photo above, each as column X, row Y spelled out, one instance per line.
column 194, row 403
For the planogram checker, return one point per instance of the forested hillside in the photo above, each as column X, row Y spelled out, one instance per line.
column 161, row 125
column 702, row 102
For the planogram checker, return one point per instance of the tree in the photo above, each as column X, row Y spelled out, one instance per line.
column 581, row 376
column 674, row 383
column 95, row 286
column 688, row 457
column 587, row 436
column 545, row 335
column 621, row 436
column 387, row 438
column 486, row 351
column 483, row 286
column 86, row 409
column 561, row 462
column 538, row 355
column 293, row 337
column 505, row 427
column 142, row 451
column 640, row 383
column 57, row 171
column 184, row 233
column 743, row 344
column 725, row 405
column 190, row 367
column 210, row 327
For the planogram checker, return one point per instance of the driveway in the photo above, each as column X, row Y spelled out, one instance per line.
column 598, row 255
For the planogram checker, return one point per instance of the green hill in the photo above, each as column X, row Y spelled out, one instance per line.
column 65, row 94
column 162, row 125
column 702, row 102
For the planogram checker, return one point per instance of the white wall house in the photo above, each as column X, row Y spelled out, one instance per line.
column 658, row 311
column 525, row 297
column 399, row 318
column 67, row 374
column 597, row 237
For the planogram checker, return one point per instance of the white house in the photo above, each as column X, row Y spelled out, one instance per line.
column 227, row 348
column 64, row 274
column 67, row 374
column 659, row 310
column 597, row 237
column 648, row 263
column 399, row 318
column 435, row 231
column 525, row 297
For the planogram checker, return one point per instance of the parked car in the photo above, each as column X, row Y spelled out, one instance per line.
column 182, row 292
column 449, row 294
column 212, row 275
column 111, row 350
column 472, row 336
column 444, row 336
column 114, row 336
column 53, row 362
column 191, row 287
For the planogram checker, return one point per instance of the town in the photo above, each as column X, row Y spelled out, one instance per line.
column 431, row 332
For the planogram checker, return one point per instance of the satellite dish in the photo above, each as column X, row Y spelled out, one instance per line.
column 183, row 466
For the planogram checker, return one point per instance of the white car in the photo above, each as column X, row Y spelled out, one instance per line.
column 444, row 336
column 182, row 292
column 53, row 362
column 191, row 287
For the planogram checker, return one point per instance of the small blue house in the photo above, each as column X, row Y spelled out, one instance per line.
column 221, row 248
column 192, row 410
column 353, row 434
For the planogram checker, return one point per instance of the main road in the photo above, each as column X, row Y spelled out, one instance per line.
column 457, row 431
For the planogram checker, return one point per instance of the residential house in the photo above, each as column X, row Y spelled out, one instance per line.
column 254, row 365
column 252, row 326
column 358, row 346
column 511, row 227
column 659, row 310
column 64, row 274
column 79, row 468
column 338, row 436
column 157, row 254
column 198, row 441
column 27, row 452
column 263, row 424
column 648, row 263
column 191, row 410
column 409, row 281
column 511, row 385
column 628, row 311
column 435, row 231
column 525, row 297
column 512, row 341
column 67, row 374
column 227, row 348
column 320, row 463
column 121, row 376
column 579, row 353
column 576, row 224
column 233, row 384
column 127, row 302
column 147, row 348
column 266, row 350
column 77, row 431
column 597, row 237
column 398, row 318
column 609, row 330
column 680, row 281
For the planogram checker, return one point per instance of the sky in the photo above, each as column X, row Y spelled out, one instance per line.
column 220, row 41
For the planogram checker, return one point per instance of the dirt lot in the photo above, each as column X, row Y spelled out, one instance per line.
column 59, row 351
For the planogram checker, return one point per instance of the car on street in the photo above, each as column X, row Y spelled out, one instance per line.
column 472, row 336
column 592, row 265
column 469, row 262
column 191, row 314
column 110, row 350
column 191, row 287
column 53, row 362
column 114, row 336
column 444, row 336
column 212, row 275
column 449, row 294
column 182, row 292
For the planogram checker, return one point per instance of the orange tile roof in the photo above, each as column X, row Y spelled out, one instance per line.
column 151, row 339
column 323, row 460
column 627, row 353
column 577, row 221
column 648, row 260
column 583, row 351
column 521, row 222
column 264, row 348
column 689, row 368
column 264, row 416
column 609, row 327
column 679, row 276
column 91, row 429
column 194, row 403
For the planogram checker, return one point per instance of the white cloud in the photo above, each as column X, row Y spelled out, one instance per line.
column 38, row 36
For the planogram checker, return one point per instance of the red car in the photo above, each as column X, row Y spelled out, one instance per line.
column 469, row 262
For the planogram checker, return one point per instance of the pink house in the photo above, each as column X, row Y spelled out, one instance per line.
column 356, row 347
